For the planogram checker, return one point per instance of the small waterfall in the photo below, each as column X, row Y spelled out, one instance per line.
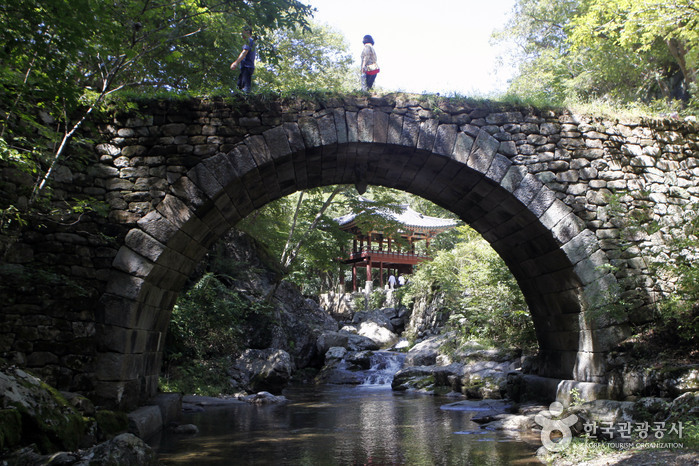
column 384, row 365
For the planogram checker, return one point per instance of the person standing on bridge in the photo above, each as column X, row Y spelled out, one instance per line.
column 246, row 60
column 370, row 67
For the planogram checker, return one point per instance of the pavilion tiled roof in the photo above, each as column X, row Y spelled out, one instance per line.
column 406, row 216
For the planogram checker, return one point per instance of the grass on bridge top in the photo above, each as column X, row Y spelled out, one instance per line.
column 634, row 112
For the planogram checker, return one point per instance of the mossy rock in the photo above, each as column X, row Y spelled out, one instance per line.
column 47, row 419
column 10, row 428
column 111, row 423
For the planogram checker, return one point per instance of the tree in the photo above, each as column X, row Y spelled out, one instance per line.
column 299, row 230
column 68, row 56
column 316, row 58
column 666, row 32
column 478, row 292
column 616, row 50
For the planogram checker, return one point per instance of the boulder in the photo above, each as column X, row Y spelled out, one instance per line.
column 379, row 334
column 427, row 378
column 345, row 339
column 263, row 398
column 361, row 343
column 329, row 339
column 376, row 316
column 607, row 415
column 124, row 449
column 262, row 370
column 185, row 429
column 33, row 412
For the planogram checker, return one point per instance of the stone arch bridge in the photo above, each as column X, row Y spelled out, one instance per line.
column 178, row 174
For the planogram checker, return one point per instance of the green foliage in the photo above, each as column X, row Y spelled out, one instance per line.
column 360, row 302
column 377, row 300
column 679, row 313
column 306, row 58
column 205, row 377
column 617, row 51
column 284, row 223
column 59, row 60
column 213, row 310
column 576, row 398
column 478, row 292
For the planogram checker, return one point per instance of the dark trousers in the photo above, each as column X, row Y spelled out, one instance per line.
column 245, row 78
column 370, row 78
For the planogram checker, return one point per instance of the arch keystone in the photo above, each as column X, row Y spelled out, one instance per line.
column 381, row 127
column 428, row 134
column 310, row 132
column 445, row 139
column 328, row 132
column 365, row 125
column 462, row 147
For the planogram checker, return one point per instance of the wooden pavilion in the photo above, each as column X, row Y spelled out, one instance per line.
column 377, row 249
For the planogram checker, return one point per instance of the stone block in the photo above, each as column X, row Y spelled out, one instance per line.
column 513, row 177
column 498, row 168
column 428, row 134
column 395, row 128
column 537, row 388
column 581, row 246
column 122, row 340
column 124, row 285
column 145, row 421
column 340, row 125
column 352, row 128
column 222, row 169
column 115, row 367
column 258, row 149
column 410, row 132
column 462, row 147
column 132, row 263
column 556, row 212
column 603, row 339
column 568, row 228
column 445, row 139
column 590, row 366
column 170, row 405
column 294, row 136
column 593, row 267
column 174, row 210
column 365, row 125
column 144, row 244
column 328, row 132
column 119, row 395
column 486, row 145
column 588, row 391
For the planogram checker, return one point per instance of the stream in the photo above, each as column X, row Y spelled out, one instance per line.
column 329, row 424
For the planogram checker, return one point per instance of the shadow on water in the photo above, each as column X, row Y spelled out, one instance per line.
column 332, row 424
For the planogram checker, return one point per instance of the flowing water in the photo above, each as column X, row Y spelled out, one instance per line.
column 335, row 424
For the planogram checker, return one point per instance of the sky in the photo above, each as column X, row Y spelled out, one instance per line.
column 426, row 46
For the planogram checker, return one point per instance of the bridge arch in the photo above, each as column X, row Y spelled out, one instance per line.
column 559, row 264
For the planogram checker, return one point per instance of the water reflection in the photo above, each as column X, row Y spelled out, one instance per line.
column 330, row 425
